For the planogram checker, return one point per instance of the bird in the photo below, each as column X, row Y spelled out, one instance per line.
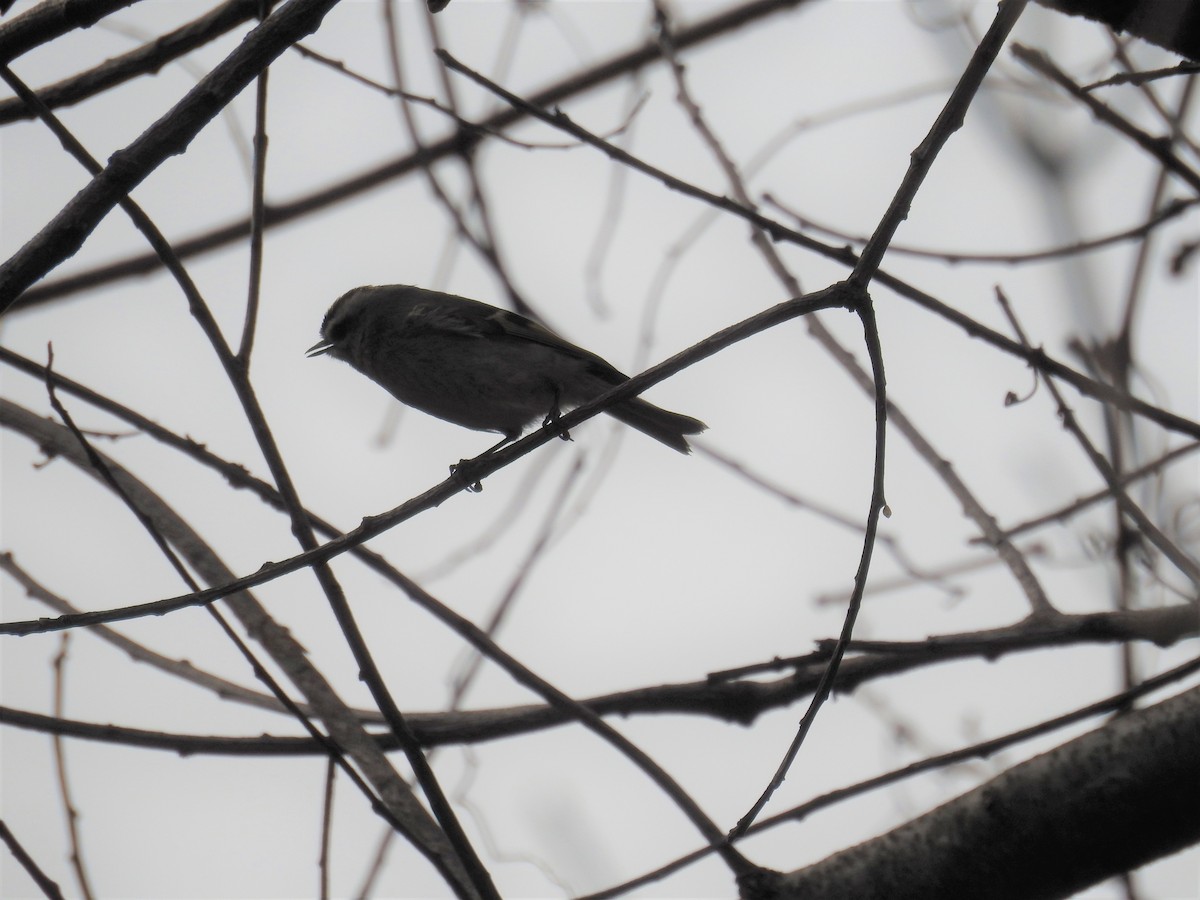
column 476, row 365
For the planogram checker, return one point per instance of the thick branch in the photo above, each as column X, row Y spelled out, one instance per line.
column 738, row 696
column 50, row 20
column 1103, row 804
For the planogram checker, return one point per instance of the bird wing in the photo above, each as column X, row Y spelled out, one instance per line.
column 472, row 319
column 518, row 326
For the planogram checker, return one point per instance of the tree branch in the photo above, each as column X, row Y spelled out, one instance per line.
column 1103, row 804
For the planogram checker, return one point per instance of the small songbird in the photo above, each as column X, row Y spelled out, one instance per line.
column 478, row 366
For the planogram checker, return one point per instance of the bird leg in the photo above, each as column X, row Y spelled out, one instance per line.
column 553, row 416
column 460, row 472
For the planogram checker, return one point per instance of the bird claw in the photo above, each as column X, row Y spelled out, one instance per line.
column 552, row 419
column 461, row 473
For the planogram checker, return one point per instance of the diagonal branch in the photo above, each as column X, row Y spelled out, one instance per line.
column 600, row 74
column 170, row 135
column 146, row 59
column 1105, row 803
column 404, row 811
column 483, row 466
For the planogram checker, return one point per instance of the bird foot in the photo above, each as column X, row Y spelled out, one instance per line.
column 552, row 419
column 461, row 472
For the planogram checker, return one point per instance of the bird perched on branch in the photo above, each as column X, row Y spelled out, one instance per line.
column 478, row 366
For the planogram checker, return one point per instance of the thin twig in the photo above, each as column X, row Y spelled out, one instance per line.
column 930, row 576
column 1173, row 121
column 1159, row 148
column 878, row 506
column 1077, row 506
column 1172, row 551
column 180, row 668
column 1169, row 211
column 60, row 764
column 375, row 867
column 148, row 58
column 1182, row 68
column 949, row 120
column 323, row 861
column 48, row 886
column 484, row 242
column 257, row 220
column 524, row 569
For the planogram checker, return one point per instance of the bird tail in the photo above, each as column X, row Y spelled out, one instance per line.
column 660, row 424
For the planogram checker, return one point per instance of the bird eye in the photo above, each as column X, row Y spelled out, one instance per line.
column 337, row 331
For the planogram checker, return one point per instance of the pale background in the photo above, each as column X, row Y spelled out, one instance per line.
column 669, row 567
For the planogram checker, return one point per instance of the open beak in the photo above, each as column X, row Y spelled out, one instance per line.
column 318, row 348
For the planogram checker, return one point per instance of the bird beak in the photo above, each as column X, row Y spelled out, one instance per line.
column 318, row 348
